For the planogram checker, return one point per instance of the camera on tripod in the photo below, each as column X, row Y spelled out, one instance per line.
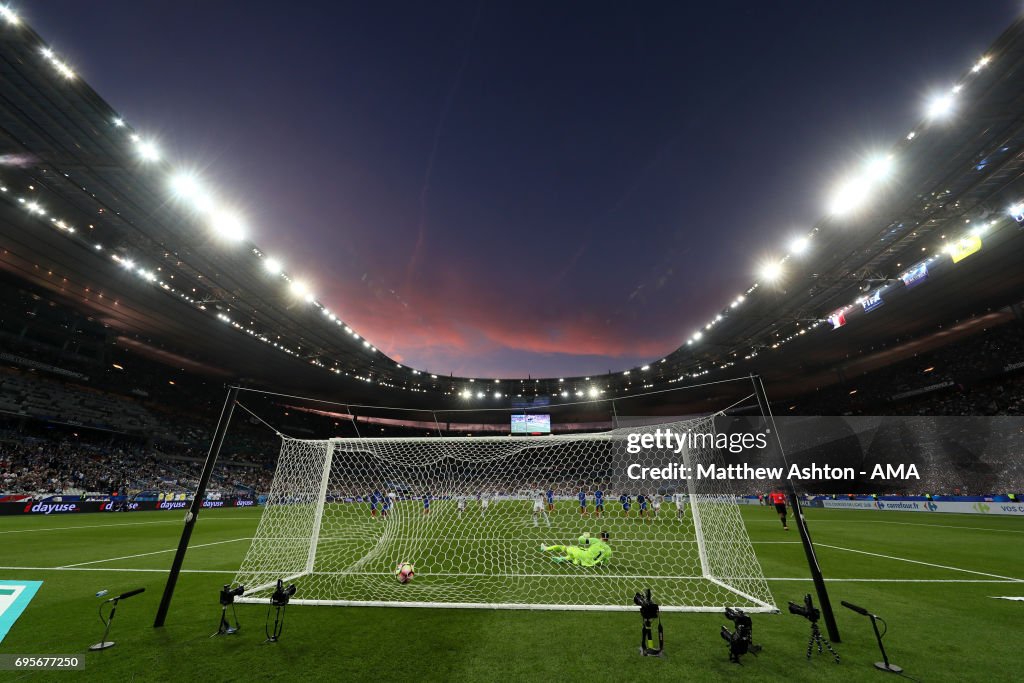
column 741, row 640
column 807, row 610
column 811, row 613
column 648, row 608
column 228, row 594
column 649, row 611
column 282, row 594
column 227, row 599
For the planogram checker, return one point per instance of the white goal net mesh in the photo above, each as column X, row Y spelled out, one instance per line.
column 472, row 514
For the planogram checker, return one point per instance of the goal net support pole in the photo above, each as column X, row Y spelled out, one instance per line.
column 197, row 504
column 798, row 515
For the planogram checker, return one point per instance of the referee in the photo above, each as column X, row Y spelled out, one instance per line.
column 779, row 499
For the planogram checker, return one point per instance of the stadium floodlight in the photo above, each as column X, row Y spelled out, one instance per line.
column 940, row 106
column 497, row 394
column 771, row 271
column 479, row 394
column 228, row 226
column 565, row 394
column 1017, row 211
column 849, row 196
column 272, row 266
column 118, row 122
column 879, row 168
column 147, row 150
column 797, row 246
column 981, row 63
column 298, row 288
column 593, row 392
column 9, row 15
column 466, row 394
column 186, row 186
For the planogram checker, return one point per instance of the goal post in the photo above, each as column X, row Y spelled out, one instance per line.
column 485, row 520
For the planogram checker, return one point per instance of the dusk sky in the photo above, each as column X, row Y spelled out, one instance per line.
column 503, row 189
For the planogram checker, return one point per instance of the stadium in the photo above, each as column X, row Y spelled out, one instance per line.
column 188, row 431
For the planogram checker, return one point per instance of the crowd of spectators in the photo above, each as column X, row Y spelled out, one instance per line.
column 980, row 375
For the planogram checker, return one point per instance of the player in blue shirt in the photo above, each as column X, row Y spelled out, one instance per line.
column 626, row 502
column 374, row 498
column 598, row 502
column 426, row 503
column 582, row 495
column 385, row 507
column 642, row 499
column 551, row 500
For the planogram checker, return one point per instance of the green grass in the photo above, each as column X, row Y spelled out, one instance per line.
column 948, row 628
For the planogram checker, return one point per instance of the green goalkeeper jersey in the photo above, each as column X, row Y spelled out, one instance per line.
column 597, row 552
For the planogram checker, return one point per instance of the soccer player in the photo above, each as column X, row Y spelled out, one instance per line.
column 779, row 499
column 598, row 502
column 485, row 501
column 538, row 510
column 657, row 506
column 461, row 505
column 590, row 552
column 641, row 499
column 680, row 500
column 582, row 495
column 551, row 500
column 374, row 499
column 385, row 507
column 626, row 501
column 426, row 503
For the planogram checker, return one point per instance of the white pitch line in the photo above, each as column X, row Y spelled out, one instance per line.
column 812, row 520
column 120, row 569
column 155, row 552
column 927, row 564
column 115, row 524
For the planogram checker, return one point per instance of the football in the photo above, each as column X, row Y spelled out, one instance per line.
column 404, row 572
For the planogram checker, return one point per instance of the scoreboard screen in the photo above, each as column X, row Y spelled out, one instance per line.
column 531, row 424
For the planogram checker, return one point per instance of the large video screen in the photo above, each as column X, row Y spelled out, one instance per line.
column 531, row 424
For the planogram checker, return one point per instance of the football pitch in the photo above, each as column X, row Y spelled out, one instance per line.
column 933, row 577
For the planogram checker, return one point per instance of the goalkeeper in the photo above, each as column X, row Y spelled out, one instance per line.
column 591, row 552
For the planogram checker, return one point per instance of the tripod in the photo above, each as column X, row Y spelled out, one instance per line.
column 816, row 637
column 225, row 628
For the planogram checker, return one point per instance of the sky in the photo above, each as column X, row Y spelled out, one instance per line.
column 521, row 188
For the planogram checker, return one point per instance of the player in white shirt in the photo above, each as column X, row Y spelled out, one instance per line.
column 540, row 508
column 680, row 500
column 485, row 500
column 657, row 504
column 462, row 504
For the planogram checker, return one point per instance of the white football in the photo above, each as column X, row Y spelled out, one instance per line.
column 404, row 572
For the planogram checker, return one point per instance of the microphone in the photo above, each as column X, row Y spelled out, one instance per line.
column 129, row 594
column 858, row 610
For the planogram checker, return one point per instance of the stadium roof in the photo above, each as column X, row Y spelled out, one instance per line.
column 924, row 233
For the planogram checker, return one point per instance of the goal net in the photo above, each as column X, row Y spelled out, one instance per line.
column 472, row 514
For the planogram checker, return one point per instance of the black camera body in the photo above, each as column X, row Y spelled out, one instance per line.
column 649, row 611
column 648, row 608
column 228, row 594
column 741, row 641
column 807, row 610
column 282, row 594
